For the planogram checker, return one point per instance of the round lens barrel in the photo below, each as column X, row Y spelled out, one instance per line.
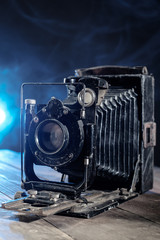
column 50, row 136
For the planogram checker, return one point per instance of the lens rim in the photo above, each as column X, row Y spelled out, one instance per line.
column 72, row 147
column 65, row 134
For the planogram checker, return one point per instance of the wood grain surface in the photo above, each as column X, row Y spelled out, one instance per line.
column 136, row 219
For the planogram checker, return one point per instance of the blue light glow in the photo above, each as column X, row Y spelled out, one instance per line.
column 2, row 116
column 9, row 107
column 6, row 119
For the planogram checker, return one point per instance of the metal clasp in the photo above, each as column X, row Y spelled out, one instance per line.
column 149, row 134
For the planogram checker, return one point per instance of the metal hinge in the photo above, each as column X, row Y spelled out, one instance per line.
column 149, row 134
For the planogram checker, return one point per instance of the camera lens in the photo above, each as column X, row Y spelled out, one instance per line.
column 51, row 136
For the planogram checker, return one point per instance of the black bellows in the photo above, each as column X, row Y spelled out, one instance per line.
column 117, row 134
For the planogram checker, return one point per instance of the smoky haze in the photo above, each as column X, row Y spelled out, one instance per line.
column 46, row 40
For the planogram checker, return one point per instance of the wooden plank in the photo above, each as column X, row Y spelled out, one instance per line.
column 10, row 158
column 115, row 224
column 32, row 230
column 137, row 219
column 9, row 175
column 146, row 206
column 156, row 184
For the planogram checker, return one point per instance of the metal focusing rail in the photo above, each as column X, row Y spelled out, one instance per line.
column 89, row 204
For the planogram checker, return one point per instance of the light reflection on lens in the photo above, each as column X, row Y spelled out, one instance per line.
column 50, row 137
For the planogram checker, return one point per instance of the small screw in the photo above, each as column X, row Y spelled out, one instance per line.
column 36, row 119
column 71, row 155
column 43, row 110
column 32, row 193
column 36, row 153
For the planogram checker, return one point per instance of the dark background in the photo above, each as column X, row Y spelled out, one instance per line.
column 45, row 40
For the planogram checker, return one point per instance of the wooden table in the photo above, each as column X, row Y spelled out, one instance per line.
column 136, row 219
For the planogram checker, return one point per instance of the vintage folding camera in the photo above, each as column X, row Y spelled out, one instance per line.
column 101, row 139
